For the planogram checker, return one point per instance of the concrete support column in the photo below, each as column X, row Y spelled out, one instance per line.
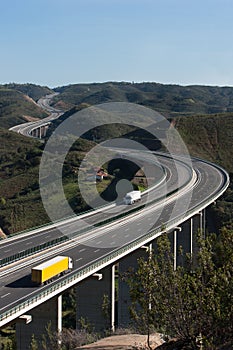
column 96, row 300
column 182, row 237
column 124, row 302
column 191, row 236
column 197, row 227
column 44, row 315
column 177, row 229
column 187, row 237
column 45, row 128
column 113, row 299
column 202, row 223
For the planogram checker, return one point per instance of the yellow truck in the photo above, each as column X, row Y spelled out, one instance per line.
column 49, row 269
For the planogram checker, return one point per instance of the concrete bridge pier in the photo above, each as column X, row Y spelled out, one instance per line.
column 33, row 132
column 185, row 237
column 45, row 316
column 124, row 302
column 40, row 131
column 96, row 301
column 44, row 130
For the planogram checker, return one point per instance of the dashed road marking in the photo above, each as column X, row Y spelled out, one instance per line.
column 5, row 295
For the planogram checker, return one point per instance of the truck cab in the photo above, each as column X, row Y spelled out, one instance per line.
column 70, row 265
column 132, row 197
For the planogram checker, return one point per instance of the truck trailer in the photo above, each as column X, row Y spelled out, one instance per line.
column 49, row 269
column 132, row 197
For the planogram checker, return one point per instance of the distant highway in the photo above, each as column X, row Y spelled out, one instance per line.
column 26, row 129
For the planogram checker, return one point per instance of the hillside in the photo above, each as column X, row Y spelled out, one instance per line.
column 20, row 201
column 17, row 103
column 208, row 136
column 171, row 100
column 17, row 100
column 31, row 90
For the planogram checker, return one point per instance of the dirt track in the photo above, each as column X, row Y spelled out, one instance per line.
column 123, row 342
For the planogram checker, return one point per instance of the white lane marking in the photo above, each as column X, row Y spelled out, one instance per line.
column 113, row 235
column 112, row 243
column 6, row 251
column 78, row 259
column 97, row 250
column 3, row 296
column 126, row 236
column 99, row 242
column 29, row 243
column 82, row 250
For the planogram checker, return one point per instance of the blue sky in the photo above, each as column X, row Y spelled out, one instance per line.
column 61, row 42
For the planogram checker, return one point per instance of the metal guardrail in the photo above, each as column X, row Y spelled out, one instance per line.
column 85, row 213
column 28, row 252
column 110, row 257
column 114, row 255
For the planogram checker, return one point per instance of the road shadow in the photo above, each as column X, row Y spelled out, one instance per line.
column 23, row 282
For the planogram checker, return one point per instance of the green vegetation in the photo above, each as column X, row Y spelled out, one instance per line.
column 70, row 339
column 21, row 206
column 172, row 100
column 20, row 201
column 7, row 338
column 16, row 108
column 204, row 117
column 31, row 90
column 208, row 137
column 192, row 303
column 222, row 212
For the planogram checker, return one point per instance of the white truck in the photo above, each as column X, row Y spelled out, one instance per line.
column 132, row 197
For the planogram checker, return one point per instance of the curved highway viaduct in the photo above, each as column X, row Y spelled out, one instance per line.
column 38, row 129
column 115, row 236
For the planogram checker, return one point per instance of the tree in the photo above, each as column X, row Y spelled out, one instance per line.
column 50, row 340
column 34, row 344
column 2, row 202
column 106, row 311
column 192, row 302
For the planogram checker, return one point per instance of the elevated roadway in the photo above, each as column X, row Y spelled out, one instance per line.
column 28, row 129
column 180, row 191
column 103, row 245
